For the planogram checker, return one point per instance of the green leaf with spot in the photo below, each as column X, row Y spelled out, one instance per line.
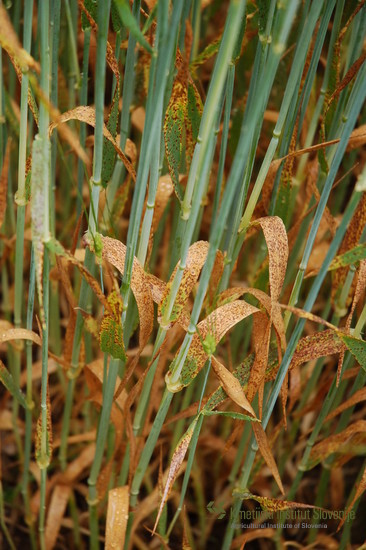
column 356, row 346
column 231, row 414
column 111, row 335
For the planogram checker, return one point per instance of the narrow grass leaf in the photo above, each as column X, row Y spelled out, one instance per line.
column 231, row 414
column 128, row 20
column 335, row 443
column 19, row 334
column 117, row 516
column 358, row 397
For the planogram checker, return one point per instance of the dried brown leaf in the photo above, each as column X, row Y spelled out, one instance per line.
column 117, row 516
column 333, row 443
column 19, row 334
column 56, row 511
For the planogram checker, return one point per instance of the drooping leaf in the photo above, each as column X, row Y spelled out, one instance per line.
column 336, row 442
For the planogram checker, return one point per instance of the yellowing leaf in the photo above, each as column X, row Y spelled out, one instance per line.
column 117, row 516
column 231, row 386
column 111, row 336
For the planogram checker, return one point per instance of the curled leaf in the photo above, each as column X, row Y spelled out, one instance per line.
column 231, row 386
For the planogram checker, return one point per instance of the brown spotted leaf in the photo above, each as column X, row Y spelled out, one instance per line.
column 276, row 239
column 117, row 516
column 111, row 336
column 196, row 258
column 176, row 462
column 114, row 252
column 231, row 386
column 272, row 504
column 358, row 397
column 266, row 452
column 317, row 345
column 336, row 443
column 87, row 114
column 216, row 325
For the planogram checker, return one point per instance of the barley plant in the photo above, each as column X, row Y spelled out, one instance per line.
column 183, row 273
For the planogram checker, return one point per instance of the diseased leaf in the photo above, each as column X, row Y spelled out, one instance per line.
column 356, row 346
column 272, row 504
column 223, row 319
column 231, row 386
column 317, row 345
column 58, row 249
column 266, row 452
column 87, row 114
column 43, row 443
column 115, row 253
column 277, row 244
column 346, row 259
column 163, row 193
column 175, row 464
column 231, row 414
column 111, row 336
column 196, row 258
column 117, row 516
column 358, row 397
column 334, row 443
column 350, row 240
